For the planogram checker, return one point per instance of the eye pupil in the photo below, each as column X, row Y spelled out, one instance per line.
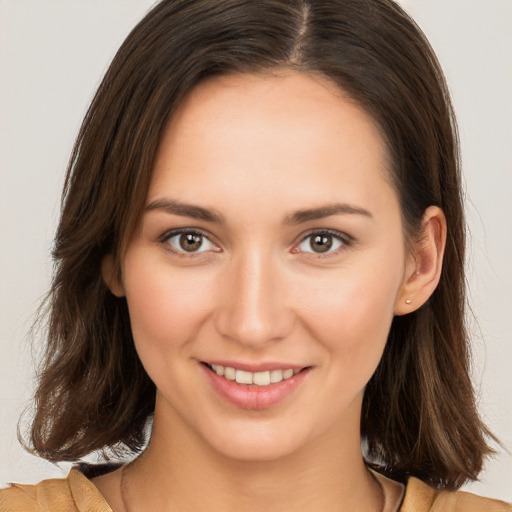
column 321, row 243
column 191, row 242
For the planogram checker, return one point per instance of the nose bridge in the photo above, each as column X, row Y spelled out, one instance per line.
column 253, row 309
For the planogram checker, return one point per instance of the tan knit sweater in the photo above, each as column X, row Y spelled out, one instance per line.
column 78, row 494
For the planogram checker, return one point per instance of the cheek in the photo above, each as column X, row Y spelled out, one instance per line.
column 351, row 313
column 167, row 306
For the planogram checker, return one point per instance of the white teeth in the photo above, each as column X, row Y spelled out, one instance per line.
column 287, row 374
column 261, row 378
column 276, row 376
column 219, row 370
column 257, row 378
column 229, row 373
column 243, row 377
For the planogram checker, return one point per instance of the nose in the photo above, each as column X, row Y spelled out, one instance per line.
column 253, row 308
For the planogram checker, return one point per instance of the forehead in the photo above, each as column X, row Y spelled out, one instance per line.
column 255, row 133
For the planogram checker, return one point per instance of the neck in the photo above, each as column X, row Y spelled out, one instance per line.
column 181, row 472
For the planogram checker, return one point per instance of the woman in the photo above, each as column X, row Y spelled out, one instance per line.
column 261, row 250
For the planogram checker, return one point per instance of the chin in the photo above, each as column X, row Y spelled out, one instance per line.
column 256, row 451
column 257, row 443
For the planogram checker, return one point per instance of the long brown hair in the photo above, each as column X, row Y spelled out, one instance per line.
column 419, row 416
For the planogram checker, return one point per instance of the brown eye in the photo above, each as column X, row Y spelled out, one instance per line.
column 323, row 242
column 191, row 242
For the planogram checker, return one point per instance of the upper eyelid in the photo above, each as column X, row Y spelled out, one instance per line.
column 178, row 231
column 333, row 232
column 346, row 240
column 171, row 233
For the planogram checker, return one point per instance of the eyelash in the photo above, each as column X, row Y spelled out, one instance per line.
column 344, row 239
column 166, row 237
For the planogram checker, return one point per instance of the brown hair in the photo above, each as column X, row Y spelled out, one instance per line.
column 419, row 416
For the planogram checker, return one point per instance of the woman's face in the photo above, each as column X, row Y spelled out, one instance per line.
column 271, row 245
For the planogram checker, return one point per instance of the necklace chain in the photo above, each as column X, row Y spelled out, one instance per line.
column 123, row 488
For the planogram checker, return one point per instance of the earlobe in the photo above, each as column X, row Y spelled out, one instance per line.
column 110, row 277
column 424, row 266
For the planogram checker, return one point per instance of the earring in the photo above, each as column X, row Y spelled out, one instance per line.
column 408, row 301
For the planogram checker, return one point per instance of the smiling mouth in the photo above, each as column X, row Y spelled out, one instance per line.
column 262, row 379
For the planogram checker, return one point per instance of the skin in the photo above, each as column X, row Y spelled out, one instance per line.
column 255, row 149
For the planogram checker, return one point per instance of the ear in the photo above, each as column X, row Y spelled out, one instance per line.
column 424, row 265
column 110, row 277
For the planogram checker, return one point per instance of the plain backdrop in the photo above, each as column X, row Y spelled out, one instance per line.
column 52, row 56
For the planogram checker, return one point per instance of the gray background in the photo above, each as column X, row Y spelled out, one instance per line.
column 52, row 56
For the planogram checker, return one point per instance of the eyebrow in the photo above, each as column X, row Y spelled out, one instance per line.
column 174, row 207
column 301, row 216
column 186, row 210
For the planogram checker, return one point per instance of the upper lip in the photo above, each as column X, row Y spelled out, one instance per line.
column 262, row 366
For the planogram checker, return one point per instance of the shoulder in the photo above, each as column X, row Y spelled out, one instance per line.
column 72, row 494
column 34, row 498
column 419, row 497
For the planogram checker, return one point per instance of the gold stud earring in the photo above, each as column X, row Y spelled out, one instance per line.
column 408, row 301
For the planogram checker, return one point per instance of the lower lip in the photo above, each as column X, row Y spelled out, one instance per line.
column 251, row 396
